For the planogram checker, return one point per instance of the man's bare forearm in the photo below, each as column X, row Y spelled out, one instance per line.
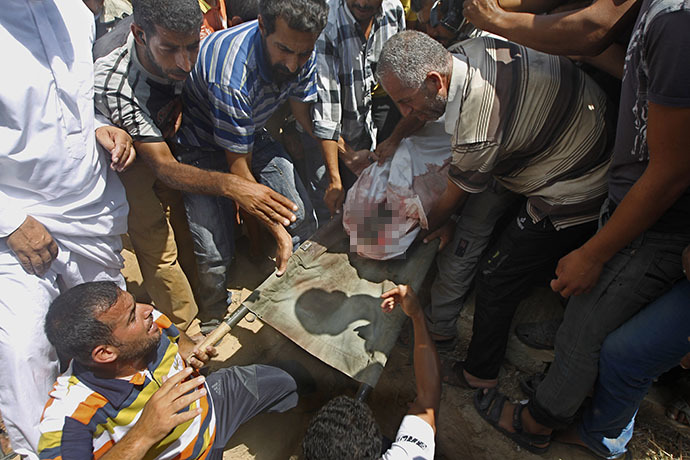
column 585, row 32
column 426, row 366
column 184, row 177
column 132, row 446
column 329, row 149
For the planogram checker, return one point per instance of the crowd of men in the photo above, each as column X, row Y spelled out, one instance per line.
column 565, row 127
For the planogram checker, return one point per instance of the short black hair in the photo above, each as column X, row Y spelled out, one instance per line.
column 246, row 10
column 182, row 16
column 303, row 15
column 71, row 324
column 343, row 429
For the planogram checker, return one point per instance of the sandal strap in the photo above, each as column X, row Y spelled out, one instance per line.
column 532, row 438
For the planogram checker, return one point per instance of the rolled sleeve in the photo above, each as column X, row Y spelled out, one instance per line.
column 327, row 111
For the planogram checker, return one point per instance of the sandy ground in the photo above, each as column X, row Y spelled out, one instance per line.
column 462, row 434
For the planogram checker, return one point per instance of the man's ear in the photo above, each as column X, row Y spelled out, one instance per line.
column 434, row 80
column 262, row 29
column 104, row 354
column 139, row 34
column 235, row 20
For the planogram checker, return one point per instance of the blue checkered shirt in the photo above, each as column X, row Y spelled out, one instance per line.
column 345, row 63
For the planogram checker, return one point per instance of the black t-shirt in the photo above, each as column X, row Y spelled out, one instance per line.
column 657, row 69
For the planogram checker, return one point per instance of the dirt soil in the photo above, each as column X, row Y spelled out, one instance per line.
column 462, row 434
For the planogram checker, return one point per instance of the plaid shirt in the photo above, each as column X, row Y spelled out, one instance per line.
column 345, row 65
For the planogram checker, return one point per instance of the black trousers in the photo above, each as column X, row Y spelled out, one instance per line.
column 524, row 254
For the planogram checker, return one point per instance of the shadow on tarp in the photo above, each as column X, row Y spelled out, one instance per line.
column 328, row 301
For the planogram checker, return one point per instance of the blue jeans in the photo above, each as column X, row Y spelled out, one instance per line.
column 646, row 346
column 212, row 218
column 637, row 275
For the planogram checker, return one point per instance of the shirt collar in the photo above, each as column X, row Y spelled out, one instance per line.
column 456, row 91
column 116, row 391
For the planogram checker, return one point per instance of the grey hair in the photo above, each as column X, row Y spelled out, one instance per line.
column 302, row 15
column 409, row 56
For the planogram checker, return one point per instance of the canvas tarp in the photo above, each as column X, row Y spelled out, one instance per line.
column 328, row 301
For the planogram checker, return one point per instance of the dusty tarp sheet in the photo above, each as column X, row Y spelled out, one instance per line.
column 328, row 301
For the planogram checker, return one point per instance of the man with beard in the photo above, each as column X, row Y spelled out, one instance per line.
column 242, row 75
column 132, row 389
column 537, row 125
column 141, row 67
column 351, row 113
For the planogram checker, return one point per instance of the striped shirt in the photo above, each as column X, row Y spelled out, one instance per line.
column 346, row 63
column 86, row 415
column 533, row 121
column 230, row 93
column 143, row 104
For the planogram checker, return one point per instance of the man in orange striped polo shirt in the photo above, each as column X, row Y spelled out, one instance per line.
column 132, row 389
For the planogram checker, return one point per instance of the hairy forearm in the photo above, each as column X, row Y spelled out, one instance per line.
column 570, row 33
column 191, row 179
column 329, row 149
column 646, row 201
column 132, row 446
column 426, row 366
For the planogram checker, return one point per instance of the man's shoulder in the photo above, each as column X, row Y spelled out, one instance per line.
column 230, row 47
column 393, row 7
column 115, row 39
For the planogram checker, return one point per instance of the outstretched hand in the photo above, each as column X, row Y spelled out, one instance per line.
column 404, row 296
column 482, row 13
column 445, row 234
column 269, row 206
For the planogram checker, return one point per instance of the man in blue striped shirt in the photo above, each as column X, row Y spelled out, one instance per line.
column 241, row 77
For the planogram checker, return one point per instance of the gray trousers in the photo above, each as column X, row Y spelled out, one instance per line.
column 633, row 278
column 240, row 393
column 457, row 262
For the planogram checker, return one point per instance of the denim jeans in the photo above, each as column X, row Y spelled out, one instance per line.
column 646, row 346
column 457, row 262
column 637, row 275
column 212, row 218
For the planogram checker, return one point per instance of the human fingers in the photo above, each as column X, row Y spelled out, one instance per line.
column 175, row 379
column 391, row 292
column 185, row 386
column 53, row 249
column 186, row 399
column 388, row 304
column 25, row 262
column 182, row 417
column 42, row 261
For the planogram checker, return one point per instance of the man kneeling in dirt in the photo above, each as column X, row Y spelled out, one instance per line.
column 345, row 427
column 132, row 389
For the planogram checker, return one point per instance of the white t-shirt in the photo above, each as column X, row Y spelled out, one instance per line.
column 414, row 441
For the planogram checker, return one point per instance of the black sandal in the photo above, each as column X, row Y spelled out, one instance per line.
column 489, row 405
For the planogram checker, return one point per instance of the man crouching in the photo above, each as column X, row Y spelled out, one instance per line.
column 132, row 389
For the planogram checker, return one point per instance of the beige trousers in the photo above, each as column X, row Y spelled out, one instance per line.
column 153, row 241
